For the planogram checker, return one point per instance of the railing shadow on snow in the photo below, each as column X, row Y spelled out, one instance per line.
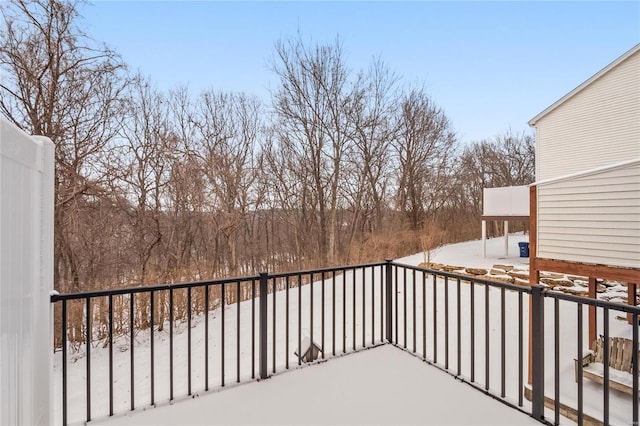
column 247, row 328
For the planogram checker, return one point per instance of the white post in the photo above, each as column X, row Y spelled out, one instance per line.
column 43, row 398
column 484, row 238
column 26, row 276
column 506, row 238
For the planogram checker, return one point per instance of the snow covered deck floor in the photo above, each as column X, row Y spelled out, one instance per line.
column 379, row 386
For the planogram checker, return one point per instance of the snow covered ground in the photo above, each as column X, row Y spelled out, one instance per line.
column 409, row 330
column 469, row 253
column 380, row 386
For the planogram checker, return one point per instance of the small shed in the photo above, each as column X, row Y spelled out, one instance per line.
column 509, row 203
column 310, row 351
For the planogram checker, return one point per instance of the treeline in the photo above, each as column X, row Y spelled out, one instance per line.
column 339, row 166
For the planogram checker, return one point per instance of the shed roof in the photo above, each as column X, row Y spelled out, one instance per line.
column 582, row 86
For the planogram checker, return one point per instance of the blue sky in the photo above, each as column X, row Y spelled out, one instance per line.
column 490, row 65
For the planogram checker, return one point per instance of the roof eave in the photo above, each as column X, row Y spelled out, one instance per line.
column 586, row 83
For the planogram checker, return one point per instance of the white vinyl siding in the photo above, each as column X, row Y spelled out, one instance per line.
column 599, row 125
column 593, row 218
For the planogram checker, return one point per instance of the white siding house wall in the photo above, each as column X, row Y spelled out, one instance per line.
column 26, row 276
column 597, row 126
column 592, row 217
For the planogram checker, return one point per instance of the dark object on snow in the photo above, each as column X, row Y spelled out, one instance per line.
column 310, row 352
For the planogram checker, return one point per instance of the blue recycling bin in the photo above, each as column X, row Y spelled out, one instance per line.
column 524, row 249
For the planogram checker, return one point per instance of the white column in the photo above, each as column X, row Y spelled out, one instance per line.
column 484, row 238
column 506, row 238
column 26, row 276
column 43, row 368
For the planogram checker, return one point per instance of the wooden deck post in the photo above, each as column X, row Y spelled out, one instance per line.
column 534, row 273
column 593, row 327
column 632, row 289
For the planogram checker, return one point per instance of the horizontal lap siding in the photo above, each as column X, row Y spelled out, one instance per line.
column 596, row 127
column 581, row 222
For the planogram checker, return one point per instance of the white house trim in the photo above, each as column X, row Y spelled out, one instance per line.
column 594, row 171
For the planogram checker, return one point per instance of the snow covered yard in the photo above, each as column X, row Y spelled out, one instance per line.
column 379, row 386
column 426, row 320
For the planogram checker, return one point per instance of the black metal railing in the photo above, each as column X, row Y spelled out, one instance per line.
column 247, row 328
column 462, row 325
column 264, row 316
column 575, row 389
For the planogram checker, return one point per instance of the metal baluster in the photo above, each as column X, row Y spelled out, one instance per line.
column 424, row 315
column 110, row 355
column 344, row 311
column 580, row 356
column 382, row 291
column 206, row 338
column 486, row 336
column 264, row 294
column 188, row 340
column 520, row 351
column 472, row 316
column 556, row 338
column 333, row 312
column 404, row 304
column 131, row 346
column 299, row 319
column 237, row 332
column 353, row 282
column 273, row 326
column 605, row 363
column 435, row 319
column 322, row 314
column 634, row 362
column 364, row 304
column 414, row 311
column 503, row 348
column 88, row 350
column 171, row 344
column 446, row 323
column 458, row 318
column 222, row 297
column 286, row 342
column 253, row 329
column 64, row 363
column 373, row 308
column 311, row 309
column 152, row 361
column 395, row 296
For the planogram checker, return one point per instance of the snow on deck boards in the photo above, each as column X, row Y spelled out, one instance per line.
column 380, row 386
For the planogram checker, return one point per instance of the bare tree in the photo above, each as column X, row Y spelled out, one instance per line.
column 370, row 161
column 228, row 127
column 312, row 107
column 140, row 169
column 59, row 83
column 288, row 195
column 185, row 246
column 425, row 147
